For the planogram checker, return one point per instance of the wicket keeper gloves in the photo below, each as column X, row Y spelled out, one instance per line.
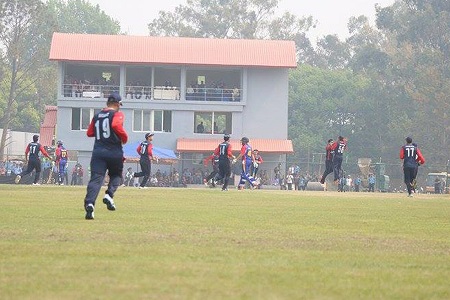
column 255, row 164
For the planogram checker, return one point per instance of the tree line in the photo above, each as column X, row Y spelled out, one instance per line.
column 377, row 86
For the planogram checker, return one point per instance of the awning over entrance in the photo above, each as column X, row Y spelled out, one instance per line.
column 165, row 155
column 208, row 145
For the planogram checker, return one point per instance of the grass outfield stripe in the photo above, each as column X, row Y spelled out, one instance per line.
column 165, row 243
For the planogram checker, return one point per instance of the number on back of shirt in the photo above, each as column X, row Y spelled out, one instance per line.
column 143, row 149
column 222, row 149
column 102, row 129
column 410, row 152
column 33, row 149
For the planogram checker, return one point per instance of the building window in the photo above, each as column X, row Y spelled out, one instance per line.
column 212, row 122
column 152, row 120
column 81, row 117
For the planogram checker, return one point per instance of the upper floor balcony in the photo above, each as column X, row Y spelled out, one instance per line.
column 147, row 83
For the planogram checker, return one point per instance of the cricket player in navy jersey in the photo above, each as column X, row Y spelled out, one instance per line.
column 247, row 161
column 145, row 150
column 412, row 157
column 224, row 153
column 107, row 129
column 32, row 157
column 61, row 161
column 338, row 147
column 215, row 165
column 328, row 161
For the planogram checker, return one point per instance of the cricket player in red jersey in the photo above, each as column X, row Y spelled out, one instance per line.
column 107, row 155
column 32, row 157
column 412, row 157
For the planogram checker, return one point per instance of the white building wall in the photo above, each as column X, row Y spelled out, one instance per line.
column 16, row 142
column 265, row 115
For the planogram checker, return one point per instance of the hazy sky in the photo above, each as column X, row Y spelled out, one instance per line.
column 332, row 15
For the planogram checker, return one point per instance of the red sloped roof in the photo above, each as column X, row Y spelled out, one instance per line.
column 172, row 50
column 208, row 145
column 48, row 126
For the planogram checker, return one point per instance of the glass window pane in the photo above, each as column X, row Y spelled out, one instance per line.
column 146, row 120
column 202, row 122
column 229, row 122
column 157, row 124
column 76, row 114
column 222, row 122
column 85, row 118
column 167, row 126
column 137, row 122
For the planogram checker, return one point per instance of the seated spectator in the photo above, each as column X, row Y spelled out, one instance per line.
column 235, row 94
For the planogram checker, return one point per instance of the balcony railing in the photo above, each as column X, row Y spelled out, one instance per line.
column 158, row 92
column 213, row 94
column 146, row 92
column 89, row 91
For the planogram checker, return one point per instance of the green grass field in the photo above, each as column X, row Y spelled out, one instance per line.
column 207, row 244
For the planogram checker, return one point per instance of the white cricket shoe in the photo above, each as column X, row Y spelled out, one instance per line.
column 109, row 202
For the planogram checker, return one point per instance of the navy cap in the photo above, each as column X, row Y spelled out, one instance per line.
column 149, row 134
column 115, row 98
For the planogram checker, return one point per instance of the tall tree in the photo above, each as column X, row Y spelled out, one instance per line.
column 324, row 104
column 20, row 36
column 246, row 19
column 419, row 31
column 80, row 16
column 332, row 53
